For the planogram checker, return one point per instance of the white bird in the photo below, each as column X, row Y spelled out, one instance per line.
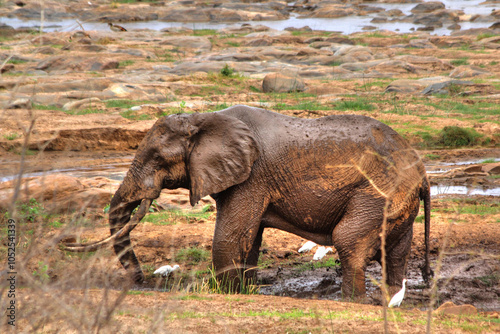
column 166, row 270
column 398, row 297
column 307, row 246
column 321, row 252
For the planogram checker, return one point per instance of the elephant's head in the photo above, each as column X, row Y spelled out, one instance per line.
column 205, row 153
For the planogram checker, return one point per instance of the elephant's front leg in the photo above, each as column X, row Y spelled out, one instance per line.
column 237, row 239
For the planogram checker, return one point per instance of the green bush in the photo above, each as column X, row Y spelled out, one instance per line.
column 455, row 136
column 192, row 255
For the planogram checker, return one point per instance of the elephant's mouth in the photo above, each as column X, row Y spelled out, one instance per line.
column 124, row 231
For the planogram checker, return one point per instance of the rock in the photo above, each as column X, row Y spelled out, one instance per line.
column 90, row 103
column 449, row 308
column 76, row 64
column 84, row 47
column 473, row 169
column 443, row 87
column 331, row 11
column 22, row 103
column 189, row 42
column 58, row 193
column 258, row 42
column 281, row 83
column 405, row 86
column 94, row 84
column 450, row 42
column 421, row 44
column 468, row 71
column 48, row 40
column 46, row 50
column 492, row 168
column 7, row 68
column 427, row 7
column 454, row 26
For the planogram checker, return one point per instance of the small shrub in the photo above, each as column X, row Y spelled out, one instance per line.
column 192, row 255
column 455, row 136
column 12, row 136
column 227, row 71
column 458, row 62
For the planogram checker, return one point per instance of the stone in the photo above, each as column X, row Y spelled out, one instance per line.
column 189, row 42
column 443, row 87
column 281, row 83
column 492, row 168
column 427, row 7
column 468, row 71
column 421, row 44
column 258, row 42
column 449, row 308
column 405, row 86
column 90, row 103
column 22, row 103
column 76, row 64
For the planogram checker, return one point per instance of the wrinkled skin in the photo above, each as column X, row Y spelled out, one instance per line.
column 330, row 180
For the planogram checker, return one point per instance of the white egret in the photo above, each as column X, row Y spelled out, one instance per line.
column 321, row 252
column 307, row 246
column 398, row 297
column 166, row 270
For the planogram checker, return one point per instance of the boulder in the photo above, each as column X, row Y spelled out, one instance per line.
column 427, row 7
column 443, row 87
column 468, row 71
column 189, row 42
column 77, row 64
column 492, row 168
column 282, row 83
column 421, row 43
column 449, row 308
column 90, row 103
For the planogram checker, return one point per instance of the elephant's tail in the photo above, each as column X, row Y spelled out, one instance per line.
column 425, row 195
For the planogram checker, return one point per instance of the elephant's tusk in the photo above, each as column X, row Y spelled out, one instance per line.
column 124, row 231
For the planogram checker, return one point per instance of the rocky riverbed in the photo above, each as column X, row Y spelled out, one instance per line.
column 77, row 98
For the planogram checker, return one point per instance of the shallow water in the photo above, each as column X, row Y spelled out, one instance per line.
column 346, row 25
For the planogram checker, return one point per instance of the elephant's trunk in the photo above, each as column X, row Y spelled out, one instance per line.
column 123, row 232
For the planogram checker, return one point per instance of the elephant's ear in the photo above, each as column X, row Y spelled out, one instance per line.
column 223, row 151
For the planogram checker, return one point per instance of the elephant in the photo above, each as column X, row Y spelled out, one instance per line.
column 336, row 180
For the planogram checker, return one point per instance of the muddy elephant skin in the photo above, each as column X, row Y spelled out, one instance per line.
column 332, row 180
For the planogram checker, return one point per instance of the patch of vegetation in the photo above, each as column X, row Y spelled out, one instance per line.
column 124, row 104
column 433, row 156
column 489, row 161
column 190, row 297
column 455, row 136
column 204, row 32
column 16, row 61
column 234, row 44
column 192, row 255
column 491, row 280
column 169, row 217
column 485, row 35
column 142, row 293
column 45, row 107
column 227, row 71
column 125, row 63
column 460, row 61
column 134, row 115
column 42, row 272
column 306, row 105
column 359, row 104
column 11, row 136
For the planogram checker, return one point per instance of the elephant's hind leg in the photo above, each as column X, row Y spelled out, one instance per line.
column 356, row 238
